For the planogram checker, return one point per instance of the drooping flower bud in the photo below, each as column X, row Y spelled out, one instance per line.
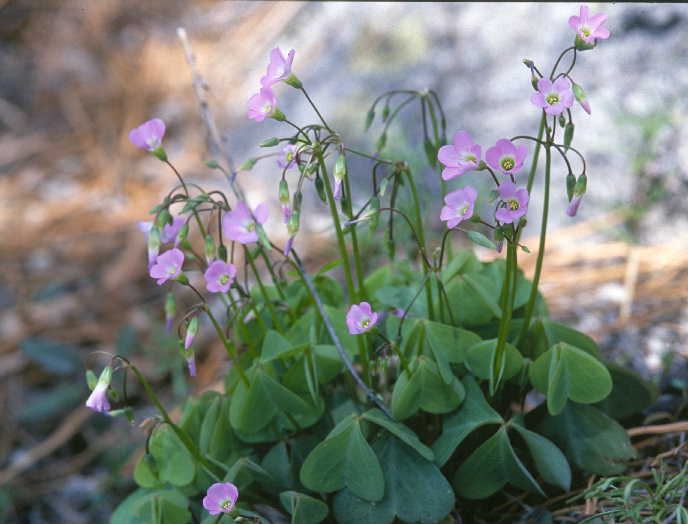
column 164, row 218
column 91, row 379
column 284, row 200
column 581, row 97
column 209, row 249
column 170, row 311
column 375, row 218
column 578, row 192
column 339, row 174
column 270, row 142
column 191, row 331
column 369, row 119
column 153, row 245
column 570, row 184
column 568, row 134
column 181, row 236
column 98, row 400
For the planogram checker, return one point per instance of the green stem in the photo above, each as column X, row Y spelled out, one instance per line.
column 358, row 265
column 229, row 348
column 275, row 280
column 541, row 250
column 506, row 304
column 263, row 291
column 421, row 240
column 186, row 440
column 303, row 90
column 536, row 154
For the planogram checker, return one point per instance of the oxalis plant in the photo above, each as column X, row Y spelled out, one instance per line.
column 414, row 389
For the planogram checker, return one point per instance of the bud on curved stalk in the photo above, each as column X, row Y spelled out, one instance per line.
column 320, row 188
column 91, row 379
column 581, row 97
column 381, row 142
column 209, row 249
column 191, row 331
column 153, row 245
column 562, row 120
column 570, row 184
column 284, row 200
column 369, row 119
column 375, row 218
column 212, row 164
column 385, row 112
column 568, row 135
column 578, row 192
column 181, row 236
column 339, row 174
column 170, row 311
column 163, row 218
column 270, row 142
column 98, row 400
column 430, row 152
column 248, row 165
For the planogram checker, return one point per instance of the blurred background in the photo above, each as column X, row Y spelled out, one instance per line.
column 76, row 76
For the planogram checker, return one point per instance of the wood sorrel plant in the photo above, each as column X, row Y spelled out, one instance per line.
column 411, row 400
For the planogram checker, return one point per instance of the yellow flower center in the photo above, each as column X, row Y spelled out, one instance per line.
column 512, row 204
column 470, row 158
column 462, row 210
column 365, row 323
column 508, row 164
column 552, row 98
column 586, row 31
column 267, row 108
column 290, row 156
column 224, row 279
column 251, row 226
column 227, row 504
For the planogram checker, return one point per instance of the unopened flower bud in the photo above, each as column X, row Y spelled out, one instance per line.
column 320, row 189
column 580, row 95
column 340, row 167
column 581, row 185
column 283, row 192
column 212, row 164
column 191, row 331
column 369, row 119
column 222, row 252
column 568, row 134
column 170, row 311
column 248, row 165
column 270, row 142
column 430, row 152
column 385, row 113
column 375, row 218
column 562, row 120
column 209, row 249
column 153, row 244
column 98, row 400
column 570, row 184
column 278, row 115
column 91, row 379
column 381, row 142
column 164, row 218
column 181, row 236
column 294, row 222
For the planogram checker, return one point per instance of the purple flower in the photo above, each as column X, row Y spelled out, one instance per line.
column 219, row 276
column 360, row 318
column 459, row 157
column 288, row 158
column 191, row 365
column 220, row 498
column 167, row 266
column 504, row 156
column 191, row 332
column 262, row 104
column 148, row 135
column 589, row 28
column 555, row 97
column 573, row 206
column 98, row 400
column 515, row 203
column 288, row 245
column 170, row 231
column 279, row 67
column 239, row 225
column 337, row 189
column 459, row 206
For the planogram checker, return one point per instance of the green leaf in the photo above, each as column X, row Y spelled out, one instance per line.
column 245, row 472
column 401, row 431
column 471, row 299
column 481, row 240
column 479, row 358
column 401, row 297
column 566, row 372
column 422, row 387
column 54, row 357
column 279, row 465
column 174, row 462
column 137, row 508
column 329, row 266
column 589, row 438
column 490, row 467
column 144, row 472
column 550, row 462
column 463, row 261
column 344, row 459
column 327, row 362
column 473, row 413
column 449, row 343
column 274, row 346
column 630, row 393
column 329, row 289
column 302, row 508
column 544, row 333
column 338, row 319
column 415, row 490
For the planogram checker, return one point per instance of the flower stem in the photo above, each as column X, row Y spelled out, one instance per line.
column 264, row 292
column 541, row 250
column 421, row 240
column 358, row 265
column 536, row 154
column 303, row 90
column 231, row 350
column 506, row 304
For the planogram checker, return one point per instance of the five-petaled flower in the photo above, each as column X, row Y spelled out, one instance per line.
column 240, row 226
column 288, row 158
column 148, row 135
column 219, row 276
column 360, row 318
column 98, row 400
column 459, row 206
column 167, row 266
column 554, row 97
column 514, row 203
column 504, row 156
column 459, row 157
column 220, row 498
column 279, row 67
column 589, row 28
column 262, row 105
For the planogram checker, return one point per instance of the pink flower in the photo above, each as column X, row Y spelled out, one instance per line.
column 279, row 67
column 191, row 332
column 504, row 156
column 262, row 105
column 582, row 98
column 288, row 245
column 191, row 365
column 220, row 498
column 589, row 28
column 98, row 400
column 555, row 97
column 459, row 157
column 239, row 225
column 360, row 318
column 459, row 206
column 288, row 158
column 514, row 203
column 170, row 231
column 148, row 135
column 219, row 276
column 573, row 206
column 167, row 266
